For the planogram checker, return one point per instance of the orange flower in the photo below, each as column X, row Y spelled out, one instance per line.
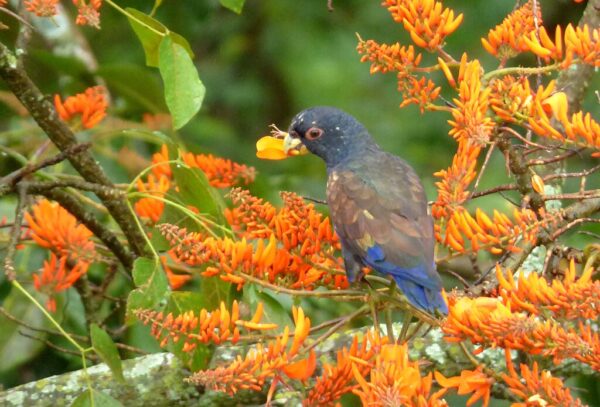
column 234, row 261
column 88, row 12
column 419, row 91
column 470, row 119
column 494, row 324
column 571, row 298
column 176, row 280
column 56, row 229
column 386, row 58
column 338, row 379
column 427, row 21
column 262, row 363
column 90, row 105
column 452, row 189
column 150, row 208
column 57, row 276
column 514, row 101
column 580, row 129
column 395, row 381
column 494, row 234
column 469, row 381
column 538, row 388
column 220, row 172
column 41, row 8
column 215, row 327
column 578, row 42
column 509, row 38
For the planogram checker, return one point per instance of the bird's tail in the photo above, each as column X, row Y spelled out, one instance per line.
column 422, row 297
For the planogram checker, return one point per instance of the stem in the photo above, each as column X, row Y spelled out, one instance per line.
column 132, row 17
column 519, row 70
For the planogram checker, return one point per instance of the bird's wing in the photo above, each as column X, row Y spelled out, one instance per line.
column 379, row 210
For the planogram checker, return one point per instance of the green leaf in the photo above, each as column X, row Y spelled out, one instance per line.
column 152, row 285
column 234, row 5
column 150, row 33
column 15, row 349
column 273, row 311
column 184, row 91
column 106, row 349
column 214, row 290
column 96, row 399
column 195, row 190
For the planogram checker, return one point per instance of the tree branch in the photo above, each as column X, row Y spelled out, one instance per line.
column 46, row 117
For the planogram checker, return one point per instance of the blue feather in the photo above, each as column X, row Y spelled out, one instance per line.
column 413, row 281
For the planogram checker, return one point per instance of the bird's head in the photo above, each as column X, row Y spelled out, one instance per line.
column 328, row 133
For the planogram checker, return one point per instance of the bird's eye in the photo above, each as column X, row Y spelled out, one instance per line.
column 314, row 133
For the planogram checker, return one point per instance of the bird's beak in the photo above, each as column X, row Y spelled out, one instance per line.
column 293, row 146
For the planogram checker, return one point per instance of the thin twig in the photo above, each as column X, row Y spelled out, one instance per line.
column 538, row 161
column 483, row 167
column 15, row 235
column 569, row 225
column 14, row 177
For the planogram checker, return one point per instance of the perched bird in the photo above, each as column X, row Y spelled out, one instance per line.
column 377, row 204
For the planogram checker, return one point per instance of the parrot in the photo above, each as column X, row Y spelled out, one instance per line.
column 377, row 204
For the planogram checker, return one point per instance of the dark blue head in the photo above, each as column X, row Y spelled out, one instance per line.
column 329, row 133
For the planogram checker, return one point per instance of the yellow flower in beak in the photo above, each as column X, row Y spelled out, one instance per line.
column 279, row 146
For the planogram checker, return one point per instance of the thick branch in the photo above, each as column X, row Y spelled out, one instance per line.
column 88, row 218
column 46, row 117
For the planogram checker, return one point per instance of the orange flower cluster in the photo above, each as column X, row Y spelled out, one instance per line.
column 470, row 121
column 388, row 58
column 396, row 381
column 309, row 244
column 297, row 224
column 88, row 13
column 452, row 189
column 509, row 38
column 56, row 229
column 90, row 106
column 482, row 232
column 41, row 8
column 263, row 362
column 469, row 381
column 427, row 21
column 338, row 379
column 580, row 42
column 235, row 260
column 513, row 100
column 419, row 91
column 538, row 388
column 580, row 129
column 149, row 208
column 57, row 276
column 215, row 327
column 220, row 172
column 571, row 298
column 490, row 322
